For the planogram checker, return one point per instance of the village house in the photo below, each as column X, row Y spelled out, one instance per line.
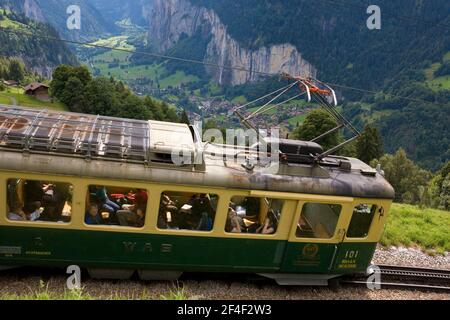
column 38, row 90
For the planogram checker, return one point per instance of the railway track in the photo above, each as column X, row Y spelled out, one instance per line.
column 391, row 277
column 408, row 278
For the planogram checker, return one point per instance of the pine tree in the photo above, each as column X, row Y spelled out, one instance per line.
column 16, row 71
column 370, row 145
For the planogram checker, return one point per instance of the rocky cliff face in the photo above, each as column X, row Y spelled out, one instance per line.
column 33, row 11
column 170, row 19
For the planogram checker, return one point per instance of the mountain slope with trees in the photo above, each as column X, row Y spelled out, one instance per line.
column 396, row 60
column 54, row 12
column 39, row 54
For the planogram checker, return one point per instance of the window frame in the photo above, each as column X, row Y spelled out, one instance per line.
column 106, row 227
column 341, row 225
column 276, row 234
column 339, row 218
column 372, row 223
column 37, row 223
column 181, row 231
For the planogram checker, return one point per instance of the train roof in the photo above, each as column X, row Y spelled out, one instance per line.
column 63, row 143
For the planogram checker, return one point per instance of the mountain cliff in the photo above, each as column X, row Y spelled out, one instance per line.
column 172, row 20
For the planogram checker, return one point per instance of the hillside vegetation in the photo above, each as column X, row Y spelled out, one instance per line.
column 406, row 58
column 409, row 225
column 39, row 54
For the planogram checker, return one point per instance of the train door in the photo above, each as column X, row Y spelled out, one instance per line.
column 317, row 231
column 365, row 222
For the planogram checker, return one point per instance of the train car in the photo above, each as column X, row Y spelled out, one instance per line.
column 103, row 193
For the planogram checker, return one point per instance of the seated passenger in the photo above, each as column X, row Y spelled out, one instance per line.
column 16, row 213
column 234, row 223
column 36, row 214
column 128, row 218
column 101, row 195
column 168, row 213
column 92, row 215
column 268, row 227
column 141, row 199
column 206, row 223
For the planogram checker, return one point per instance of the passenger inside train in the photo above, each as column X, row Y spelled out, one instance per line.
column 116, row 206
column 187, row 211
column 253, row 215
column 30, row 200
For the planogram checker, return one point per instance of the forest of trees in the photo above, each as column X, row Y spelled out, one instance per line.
column 75, row 87
column 15, row 69
column 37, row 53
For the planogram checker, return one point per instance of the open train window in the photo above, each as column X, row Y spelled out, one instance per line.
column 361, row 221
column 32, row 200
column 116, row 206
column 318, row 220
column 253, row 215
column 187, row 211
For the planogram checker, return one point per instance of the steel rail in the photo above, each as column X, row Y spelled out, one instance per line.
column 408, row 277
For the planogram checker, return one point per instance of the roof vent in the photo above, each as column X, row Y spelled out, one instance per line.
column 369, row 172
column 345, row 165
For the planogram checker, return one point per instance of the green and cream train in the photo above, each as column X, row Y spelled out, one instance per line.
column 103, row 193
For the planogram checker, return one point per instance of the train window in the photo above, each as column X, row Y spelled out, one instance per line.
column 187, row 211
column 361, row 221
column 253, row 215
column 116, row 206
column 318, row 220
column 31, row 200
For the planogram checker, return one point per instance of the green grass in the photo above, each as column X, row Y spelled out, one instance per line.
column 115, row 42
column 440, row 83
column 298, row 119
column 43, row 291
column 8, row 23
column 16, row 95
column 239, row 100
column 411, row 226
column 176, row 79
column 177, row 293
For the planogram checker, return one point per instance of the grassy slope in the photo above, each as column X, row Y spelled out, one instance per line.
column 126, row 71
column 8, row 23
column 427, row 228
column 16, row 96
column 439, row 83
